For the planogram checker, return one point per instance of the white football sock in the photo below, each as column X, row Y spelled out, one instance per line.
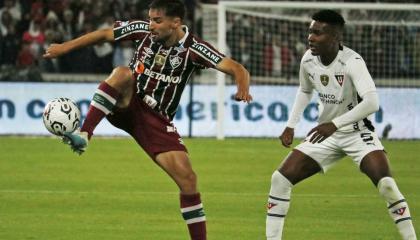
column 397, row 207
column 278, row 205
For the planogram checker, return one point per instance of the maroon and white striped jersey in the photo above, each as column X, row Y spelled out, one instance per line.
column 163, row 72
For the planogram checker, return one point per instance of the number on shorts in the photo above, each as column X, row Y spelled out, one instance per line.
column 367, row 138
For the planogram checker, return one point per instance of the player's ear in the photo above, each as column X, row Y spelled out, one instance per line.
column 177, row 22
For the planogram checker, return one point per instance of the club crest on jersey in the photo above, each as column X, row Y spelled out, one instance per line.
column 340, row 79
column 324, row 79
column 160, row 59
column 175, row 61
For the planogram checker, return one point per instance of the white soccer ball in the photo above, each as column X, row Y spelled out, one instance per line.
column 61, row 115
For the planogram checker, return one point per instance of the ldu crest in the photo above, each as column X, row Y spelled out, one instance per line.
column 324, row 79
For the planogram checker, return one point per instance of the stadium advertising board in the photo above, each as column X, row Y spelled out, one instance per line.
column 21, row 107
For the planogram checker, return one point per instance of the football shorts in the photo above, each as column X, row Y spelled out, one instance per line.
column 354, row 144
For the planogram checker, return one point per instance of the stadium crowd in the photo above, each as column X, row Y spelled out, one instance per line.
column 28, row 26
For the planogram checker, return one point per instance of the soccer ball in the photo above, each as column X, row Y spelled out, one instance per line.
column 61, row 115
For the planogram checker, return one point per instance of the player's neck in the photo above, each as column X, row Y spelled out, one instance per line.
column 175, row 38
column 328, row 58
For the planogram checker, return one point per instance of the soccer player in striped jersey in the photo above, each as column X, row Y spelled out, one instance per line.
column 347, row 96
column 142, row 98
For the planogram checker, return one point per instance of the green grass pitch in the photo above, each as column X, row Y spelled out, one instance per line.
column 115, row 192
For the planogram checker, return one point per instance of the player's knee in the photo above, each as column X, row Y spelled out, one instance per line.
column 281, row 183
column 188, row 182
column 121, row 78
column 191, row 178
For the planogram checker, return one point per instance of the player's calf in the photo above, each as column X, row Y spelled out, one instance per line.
column 278, row 205
column 397, row 207
column 193, row 214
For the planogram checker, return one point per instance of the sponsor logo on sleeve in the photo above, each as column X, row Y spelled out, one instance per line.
column 206, row 53
column 136, row 26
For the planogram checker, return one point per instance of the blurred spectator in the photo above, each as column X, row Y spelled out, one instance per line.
column 69, row 29
column 35, row 37
column 54, row 33
column 272, row 57
column 26, row 63
column 104, row 51
column 26, row 57
column 13, row 7
column 9, row 47
column 6, row 21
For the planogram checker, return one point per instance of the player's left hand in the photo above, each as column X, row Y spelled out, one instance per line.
column 55, row 50
column 321, row 132
column 243, row 96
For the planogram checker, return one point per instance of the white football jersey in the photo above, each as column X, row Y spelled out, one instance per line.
column 340, row 85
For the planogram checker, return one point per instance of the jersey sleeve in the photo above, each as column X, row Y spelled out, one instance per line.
column 130, row 30
column 204, row 55
column 306, row 85
column 360, row 76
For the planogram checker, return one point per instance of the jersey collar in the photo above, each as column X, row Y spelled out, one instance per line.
column 182, row 40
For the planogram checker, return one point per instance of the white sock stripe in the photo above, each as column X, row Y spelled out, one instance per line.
column 106, row 95
column 100, row 107
column 192, row 208
column 196, row 220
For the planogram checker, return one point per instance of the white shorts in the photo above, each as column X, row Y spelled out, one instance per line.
column 354, row 144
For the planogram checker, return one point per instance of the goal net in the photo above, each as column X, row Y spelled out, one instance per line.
column 269, row 39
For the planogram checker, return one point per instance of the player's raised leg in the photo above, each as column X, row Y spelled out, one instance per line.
column 295, row 168
column 178, row 166
column 375, row 165
column 116, row 90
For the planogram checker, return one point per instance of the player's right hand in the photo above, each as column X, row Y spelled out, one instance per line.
column 286, row 137
column 77, row 140
column 54, row 50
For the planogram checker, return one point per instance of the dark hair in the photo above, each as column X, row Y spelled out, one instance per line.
column 330, row 17
column 172, row 8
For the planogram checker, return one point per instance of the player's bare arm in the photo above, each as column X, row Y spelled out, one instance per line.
column 287, row 136
column 241, row 76
column 98, row 36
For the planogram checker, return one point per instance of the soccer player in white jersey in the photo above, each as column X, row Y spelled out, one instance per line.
column 347, row 96
column 142, row 98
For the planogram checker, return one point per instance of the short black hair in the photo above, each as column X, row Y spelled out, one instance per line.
column 330, row 17
column 172, row 8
